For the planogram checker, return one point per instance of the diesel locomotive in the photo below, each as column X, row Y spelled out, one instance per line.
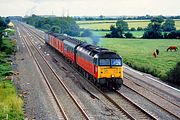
column 100, row 65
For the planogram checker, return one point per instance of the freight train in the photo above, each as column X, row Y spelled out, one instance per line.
column 102, row 66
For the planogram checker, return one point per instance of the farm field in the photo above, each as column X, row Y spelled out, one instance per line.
column 100, row 33
column 99, row 25
column 137, row 34
column 138, row 53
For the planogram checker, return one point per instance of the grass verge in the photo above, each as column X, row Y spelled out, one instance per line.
column 10, row 103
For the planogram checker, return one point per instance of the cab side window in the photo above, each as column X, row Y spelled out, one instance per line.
column 95, row 61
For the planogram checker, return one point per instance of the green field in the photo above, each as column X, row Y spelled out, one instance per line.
column 138, row 53
column 137, row 34
column 99, row 25
column 177, row 23
column 100, row 33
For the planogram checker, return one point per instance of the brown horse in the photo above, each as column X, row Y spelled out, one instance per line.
column 155, row 54
column 172, row 48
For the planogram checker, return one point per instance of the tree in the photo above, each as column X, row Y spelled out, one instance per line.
column 69, row 26
column 118, row 31
column 55, row 29
column 7, row 20
column 158, row 19
column 128, row 35
column 112, row 27
column 2, row 27
column 133, row 29
column 46, row 26
column 2, row 24
column 63, row 25
column 175, row 34
column 139, row 29
column 169, row 25
column 122, row 25
column 154, row 29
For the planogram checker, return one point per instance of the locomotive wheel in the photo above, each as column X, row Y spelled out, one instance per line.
column 109, row 86
column 117, row 87
column 95, row 81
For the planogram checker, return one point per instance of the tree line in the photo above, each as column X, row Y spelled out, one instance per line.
column 3, row 26
column 62, row 25
column 157, row 28
column 101, row 17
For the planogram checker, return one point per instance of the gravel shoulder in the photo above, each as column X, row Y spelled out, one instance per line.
column 37, row 102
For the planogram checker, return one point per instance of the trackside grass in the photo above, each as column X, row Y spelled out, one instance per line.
column 137, row 53
column 10, row 103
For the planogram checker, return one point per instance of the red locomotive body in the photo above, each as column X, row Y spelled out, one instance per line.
column 55, row 41
column 85, row 61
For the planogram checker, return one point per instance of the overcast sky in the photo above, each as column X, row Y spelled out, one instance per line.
column 89, row 7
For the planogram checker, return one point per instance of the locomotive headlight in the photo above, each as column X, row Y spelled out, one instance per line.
column 112, row 75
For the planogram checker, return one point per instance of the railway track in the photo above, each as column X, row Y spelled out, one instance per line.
column 171, row 107
column 42, row 65
column 153, row 89
column 136, row 112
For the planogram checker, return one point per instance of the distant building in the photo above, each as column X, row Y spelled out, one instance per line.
column 10, row 25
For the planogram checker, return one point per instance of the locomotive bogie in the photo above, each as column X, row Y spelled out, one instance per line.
column 111, row 83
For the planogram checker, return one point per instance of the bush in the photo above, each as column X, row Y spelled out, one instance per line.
column 128, row 35
column 139, row 29
column 172, row 35
column 151, row 34
column 108, row 36
column 7, row 46
column 133, row 29
column 174, row 75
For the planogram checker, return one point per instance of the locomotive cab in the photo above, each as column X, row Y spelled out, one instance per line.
column 109, row 71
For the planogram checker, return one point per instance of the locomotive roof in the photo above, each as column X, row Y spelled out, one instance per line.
column 92, row 50
column 63, row 37
column 108, row 54
column 96, row 51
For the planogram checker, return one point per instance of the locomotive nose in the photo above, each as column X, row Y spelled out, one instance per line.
column 110, row 72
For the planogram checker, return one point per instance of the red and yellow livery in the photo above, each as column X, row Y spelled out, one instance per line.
column 98, row 64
